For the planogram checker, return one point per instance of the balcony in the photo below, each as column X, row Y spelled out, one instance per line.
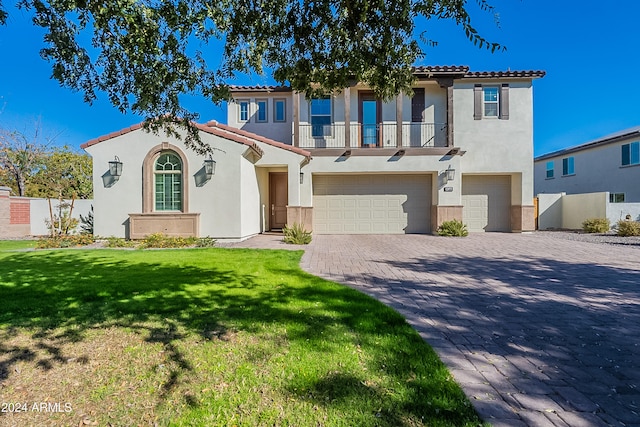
column 370, row 137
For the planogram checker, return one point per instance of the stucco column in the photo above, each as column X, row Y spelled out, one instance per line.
column 447, row 83
column 296, row 119
column 347, row 117
column 399, row 120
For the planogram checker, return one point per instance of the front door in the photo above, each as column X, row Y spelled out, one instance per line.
column 278, row 198
column 369, row 113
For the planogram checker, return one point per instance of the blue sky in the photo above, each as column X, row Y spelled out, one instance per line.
column 589, row 51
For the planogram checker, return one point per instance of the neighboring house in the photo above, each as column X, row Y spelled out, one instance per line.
column 608, row 164
column 460, row 148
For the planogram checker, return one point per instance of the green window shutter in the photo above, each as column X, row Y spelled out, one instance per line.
column 504, row 102
column 477, row 102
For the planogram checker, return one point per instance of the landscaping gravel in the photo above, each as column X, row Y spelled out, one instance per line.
column 606, row 238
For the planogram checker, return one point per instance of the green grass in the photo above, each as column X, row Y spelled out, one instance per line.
column 211, row 337
column 12, row 245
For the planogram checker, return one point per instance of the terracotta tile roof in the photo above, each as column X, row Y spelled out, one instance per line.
column 441, row 69
column 608, row 139
column 259, row 88
column 460, row 71
column 228, row 130
column 237, row 135
column 528, row 74
column 110, row 136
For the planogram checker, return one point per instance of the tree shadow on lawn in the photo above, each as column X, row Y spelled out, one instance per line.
column 59, row 296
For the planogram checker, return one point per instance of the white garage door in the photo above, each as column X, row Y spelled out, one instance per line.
column 371, row 204
column 486, row 202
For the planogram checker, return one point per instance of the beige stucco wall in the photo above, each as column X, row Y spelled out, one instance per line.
column 493, row 145
column 229, row 204
column 278, row 131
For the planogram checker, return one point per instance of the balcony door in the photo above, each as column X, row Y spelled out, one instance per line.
column 370, row 118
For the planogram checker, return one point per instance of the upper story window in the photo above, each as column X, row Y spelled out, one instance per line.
column 490, row 96
column 168, row 182
column 568, row 166
column 616, row 197
column 631, row 154
column 243, row 105
column 261, row 113
column 320, row 112
column 280, row 110
column 491, row 101
column 550, row 169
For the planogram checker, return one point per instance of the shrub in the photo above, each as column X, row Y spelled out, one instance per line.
column 205, row 242
column 160, row 240
column 119, row 242
column 296, row 234
column 453, row 228
column 596, row 225
column 65, row 241
column 86, row 222
column 628, row 228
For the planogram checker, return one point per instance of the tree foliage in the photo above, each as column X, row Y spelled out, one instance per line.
column 65, row 174
column 33, row 167
column 146, row 54
column 21, row 155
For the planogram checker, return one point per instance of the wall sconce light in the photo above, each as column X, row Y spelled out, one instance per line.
column 210, row 166
column 115, row 167
column 450, row 173
column 301, row 177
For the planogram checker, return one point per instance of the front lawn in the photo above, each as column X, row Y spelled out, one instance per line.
column 13, row 245
column 210, row 337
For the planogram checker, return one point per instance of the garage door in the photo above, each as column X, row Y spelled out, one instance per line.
column 371, row 204
column 486, row 203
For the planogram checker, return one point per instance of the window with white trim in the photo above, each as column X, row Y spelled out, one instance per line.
column 491, row 101
column 280, row 110
column 616, row 197
column 550, row 169
column 262, row 113
column 168, row 182
column 631, row 154
column 320, row 112
column 243, row 110
column 568, row 166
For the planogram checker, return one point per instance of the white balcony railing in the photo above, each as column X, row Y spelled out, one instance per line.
column 382, row 135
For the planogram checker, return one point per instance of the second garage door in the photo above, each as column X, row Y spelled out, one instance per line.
column 486, row 203
column 371, row 204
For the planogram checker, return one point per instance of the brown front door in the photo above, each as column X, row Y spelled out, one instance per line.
column 278, row 198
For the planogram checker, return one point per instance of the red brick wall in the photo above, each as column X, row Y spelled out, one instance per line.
column 20, row 212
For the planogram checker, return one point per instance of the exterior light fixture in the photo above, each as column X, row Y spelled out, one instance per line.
column 115, row 167
column 210, row 167
column 301, row 177
column 450, row 173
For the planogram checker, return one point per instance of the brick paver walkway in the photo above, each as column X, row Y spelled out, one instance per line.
column 538, row 331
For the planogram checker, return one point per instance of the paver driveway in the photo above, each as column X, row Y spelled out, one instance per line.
column 537, row 330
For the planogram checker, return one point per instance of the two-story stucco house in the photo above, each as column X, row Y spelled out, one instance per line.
column 608, row 164
column 460, row 147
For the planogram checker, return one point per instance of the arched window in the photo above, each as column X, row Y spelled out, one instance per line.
column 168, row 182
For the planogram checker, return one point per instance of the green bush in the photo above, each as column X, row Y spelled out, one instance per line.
column 65, row 241
column 453, row 228
column 119, row 242
column 596, row 225
column 160, row 240
column 205, row 242
column 628, row 228
column 296, row 235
